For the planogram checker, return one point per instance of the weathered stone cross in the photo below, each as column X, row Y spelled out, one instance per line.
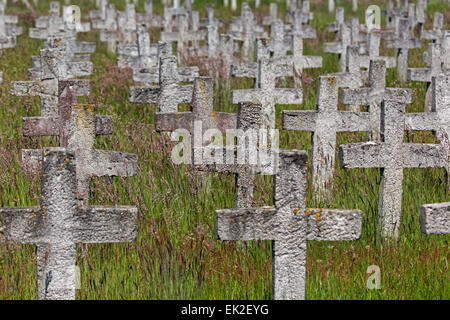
column 8, row 29
column 290, row 224
column 392, row 155
column 403, row 44
column 373, row 52
column 325, row 123
column 435, row 218
column 266, row 93
column 373, row 95
column 139, row 55
column 436, row 34
column 341, row 46
column 201, row 111
column 169, row 93
column 438, row 119
column 58, row 224
column 434, row 57
column 53, row 69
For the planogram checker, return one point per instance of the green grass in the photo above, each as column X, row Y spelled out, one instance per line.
column 176, row 255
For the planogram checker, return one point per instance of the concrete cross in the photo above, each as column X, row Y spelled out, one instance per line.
column 325, row 122
column 201, row 111
column 169, row 93
column 373, row 95
column 8, row 29
column 403, row 44
column 183, row 36
column 266, row 93
column 77, row 126
column 392, row 155
column 140, row 55
column 290, row 224
column 436, row 34
column 435, row 218
column 53, row 68
column 353, row 77
column 373, row 52
column 100, row 13
column 210, row 20
column 148, row 73
column 339, row 21
column 109, row 23
column 341, row 46
column 393, row 13
column 58, row 224
column 72, row 65
column 434, row 57
column 148, row 18
column 273, row 15
column 438, row 119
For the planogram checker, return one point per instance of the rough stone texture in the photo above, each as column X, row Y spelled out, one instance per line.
column 438, row 119
column 403, row 43
column 266, row 94
column 202, row 110
column 341, row 46
column 8, row 29
column 169, row 93
column 290, row 224
column 436, row 34
column 53, row 68
column 325, row 123
column 58, row 224
column 353, row 77
column 434, row 56
column 392, row 155
column 373, row 95
column 142, row 54
column 435, row 218
column 373, row 52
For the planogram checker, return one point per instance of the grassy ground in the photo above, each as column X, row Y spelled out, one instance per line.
column 176, row 255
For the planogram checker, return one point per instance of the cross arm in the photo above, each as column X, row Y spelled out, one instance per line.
column 360, row 155
column 312, row 62
column 187, row 73
column 20, row 225
column 332, row 47
column 49, row 126
column 365, row 96
column 422, row 155
column 147, row 94
column 245, row 70
column 419, row 74
column 304, row 120
column 422, row 121
column 169, row 121
column 97, row 224
column 112, row 163
column 435, row 218
column 262, row 224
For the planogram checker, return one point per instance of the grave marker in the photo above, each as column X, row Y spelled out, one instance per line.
column 435, row 218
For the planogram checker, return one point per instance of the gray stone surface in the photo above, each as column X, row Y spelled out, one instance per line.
column 438, row 119
column 373, row 95
column 290, row 224
column 266, row 93
column 169, row 93
column 392, row 155
column 325, row 122
column 435, row 218
column 53, row 68
column 58, row 224
column 436, row 34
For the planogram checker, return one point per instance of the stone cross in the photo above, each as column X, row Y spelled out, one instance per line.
column 290, row 224
column 58, row 224
column 8, row 29
column 438, row 118
column 53, row 69
column 77, row 126
column 148, row 18
column 435, row 218
column 266, row 93
column 392, row 155
column 109, row 23
column 169, row 93
column 435, row 54
column 183, row 36
column 403, row 44
column 148, row 72
column 436, row 34
column 140, row 55
column 373, row 52
column 325, row 122
column 273, row 14
column 339, row 21
column 373, row 95
column 101, row 13
column 201, row 111
column 341, row 46
column 353, row 77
